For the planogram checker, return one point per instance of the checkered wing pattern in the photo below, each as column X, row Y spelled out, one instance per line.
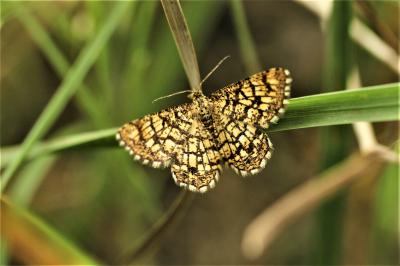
column 193, row 139
column 156, row 139
column 175, row 138
column 257, row 100
column 244, row 147
column 198, row 165
column 241, row 109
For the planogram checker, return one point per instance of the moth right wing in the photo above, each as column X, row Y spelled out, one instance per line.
column 244, row 147
column 257, row 100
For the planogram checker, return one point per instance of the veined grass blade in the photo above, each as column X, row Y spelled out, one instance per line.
column 67, row 88
column 374, row 104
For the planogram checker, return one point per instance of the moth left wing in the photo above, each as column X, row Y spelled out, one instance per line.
column 175, row 138
column 155, row 139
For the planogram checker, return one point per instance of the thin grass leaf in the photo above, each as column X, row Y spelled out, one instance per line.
column 375, row 46
column 67, row 89
column 374, row 104
column 135, row 72
column 25, row 185
column 183, row 40
column 31, row 176
column 102, row 65
column 29, row 180
column 97, row 138
column 246, row 43
column 335, row 143
column 198, row 13
column 266, row 227
column 385, row 229
column 4, row 254
column 180, row 203
column 384, row 31
column 362, row 35
column 35, row 242
column 85, row 99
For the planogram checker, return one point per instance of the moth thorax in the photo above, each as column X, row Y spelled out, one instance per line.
column 203, row 105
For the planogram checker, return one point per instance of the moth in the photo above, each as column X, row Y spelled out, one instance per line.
column 195, row 139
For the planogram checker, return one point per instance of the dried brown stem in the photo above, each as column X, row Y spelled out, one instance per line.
column 381, row 28
column 364, row 131
column 263, row 230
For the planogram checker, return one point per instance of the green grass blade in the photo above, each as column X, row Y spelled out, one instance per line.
column 89, row 139
column 25, row 231
column 373, row 104
column 385, row 229
column 4, row 254
column 246, row 44
column 90, row 104
column 86, row 101
column 30, row 177
column 134, row 72
column 67, row 89
column 103, row 63
column 335, row 141
column 29, row 180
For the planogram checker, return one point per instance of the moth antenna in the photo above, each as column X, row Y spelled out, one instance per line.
column 170, row 95
column 212, row 70
column 208, row 75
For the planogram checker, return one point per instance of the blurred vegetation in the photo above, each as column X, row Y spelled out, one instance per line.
column 338, row 64
column 91, row 206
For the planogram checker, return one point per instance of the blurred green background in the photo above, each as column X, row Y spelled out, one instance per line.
column 105, row 203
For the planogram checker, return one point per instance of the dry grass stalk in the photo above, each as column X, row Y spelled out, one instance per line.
column 263, row 230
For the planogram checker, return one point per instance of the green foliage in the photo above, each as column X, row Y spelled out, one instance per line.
column 67, row 89
column 336, row 142
column 44, row 238
column 129, row 59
